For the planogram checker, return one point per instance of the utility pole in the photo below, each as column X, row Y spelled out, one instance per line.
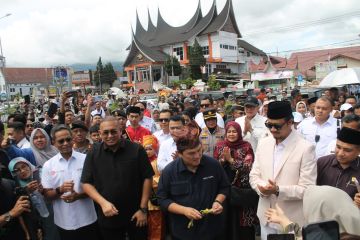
column 100, row 82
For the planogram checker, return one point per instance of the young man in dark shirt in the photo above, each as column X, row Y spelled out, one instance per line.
column 340, row 169
column 189, row 184
column 118, row 177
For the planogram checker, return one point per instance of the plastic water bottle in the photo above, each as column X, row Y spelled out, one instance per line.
column 38, row 202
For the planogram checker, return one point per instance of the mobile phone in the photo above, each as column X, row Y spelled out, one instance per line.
column 287, row 236
column 328, row 230
column 36, row 175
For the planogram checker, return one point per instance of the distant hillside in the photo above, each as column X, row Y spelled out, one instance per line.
column 86, row 66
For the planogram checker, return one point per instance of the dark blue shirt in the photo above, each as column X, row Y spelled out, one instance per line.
column 196, row 190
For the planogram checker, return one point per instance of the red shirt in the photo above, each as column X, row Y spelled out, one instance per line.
column 137, row 134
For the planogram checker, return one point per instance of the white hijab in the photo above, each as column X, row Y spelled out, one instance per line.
column 325, row 203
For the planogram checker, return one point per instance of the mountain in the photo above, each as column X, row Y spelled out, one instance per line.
column 118, row 66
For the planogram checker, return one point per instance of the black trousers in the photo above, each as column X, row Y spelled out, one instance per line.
column 120, row 233
column 89, row 232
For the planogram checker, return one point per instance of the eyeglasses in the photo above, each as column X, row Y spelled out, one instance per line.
column 112, row 132
column 276, row 126
column 164, row 119
column 204, row 105
column 20, row 169
column 62, row 141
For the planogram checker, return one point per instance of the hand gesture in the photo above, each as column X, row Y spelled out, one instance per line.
column 226, row 154
column 32, row 186
column 247, row 127
column 109, row 209
column 5, row 143
column 90, row 100
column 68, row 186
column 175, row 155
column 277, row 216
column 22, row 205
column 268, row 189
column 141, row 218
column 64, row 96
column 216, row 208
column 192, row 213
column 357, row 199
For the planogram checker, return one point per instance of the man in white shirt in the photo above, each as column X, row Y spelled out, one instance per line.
column 349, row 121
column 74, row 212
column 16, row 132
column 284, row 167
column 164, row 119
column 168, row 150
column 98, row 110
column 205, row 103
column 321, row 129
column 252, row 124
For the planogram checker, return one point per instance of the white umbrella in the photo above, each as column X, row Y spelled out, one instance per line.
column 117, row 92
column 341, row 77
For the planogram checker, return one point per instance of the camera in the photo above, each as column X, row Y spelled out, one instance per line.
column 21, row 191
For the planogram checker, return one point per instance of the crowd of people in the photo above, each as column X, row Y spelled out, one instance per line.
column 193, row 167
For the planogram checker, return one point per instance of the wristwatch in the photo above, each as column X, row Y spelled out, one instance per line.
column 277, row 191
column 292, row 227
column 144, row 210
column 58, row 191
column 8, row 217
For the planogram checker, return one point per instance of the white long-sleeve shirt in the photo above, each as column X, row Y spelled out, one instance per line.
column 166, row 150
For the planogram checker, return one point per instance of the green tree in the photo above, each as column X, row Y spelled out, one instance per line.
column 109, row 74
column 172, row 63
column 99, row 73
column 213, row 84
column 196, row 60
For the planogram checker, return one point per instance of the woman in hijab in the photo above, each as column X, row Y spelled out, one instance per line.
column 23, row 172
column 237, row 157
column 301, row 108
column 324, row 203
column 43, row 150
column 41, row 146
column 156, row 221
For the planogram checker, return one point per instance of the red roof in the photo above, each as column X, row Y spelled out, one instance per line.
column 307, row 60
column 28, row 75
column 279, row 63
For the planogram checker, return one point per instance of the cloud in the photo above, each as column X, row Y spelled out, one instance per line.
column 47, row 33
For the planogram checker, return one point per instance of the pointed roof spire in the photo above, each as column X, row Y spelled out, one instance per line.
column 151, row 26
column 140, row 31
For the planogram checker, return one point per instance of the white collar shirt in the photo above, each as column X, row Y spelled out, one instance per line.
column 161, row 136
column 327, row 132
column 68, row 216
column 259, row 129
column 199, row 119
column 101, row 112
column 279, row 152
column 167, row 149
column 24, row 143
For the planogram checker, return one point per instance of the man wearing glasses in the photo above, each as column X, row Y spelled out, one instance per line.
column 206, row 103
column 164, row 119
column 117, row 175
column 284, row 167
column 74, row 212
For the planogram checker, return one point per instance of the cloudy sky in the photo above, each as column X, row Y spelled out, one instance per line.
column 48, row 33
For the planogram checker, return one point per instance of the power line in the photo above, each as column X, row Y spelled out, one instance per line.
column 303, row 24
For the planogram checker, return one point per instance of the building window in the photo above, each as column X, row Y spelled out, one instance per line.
column 205, row 50
column 12, row 89
column 179, row 52
column 221, row 46
column 248, row 54
column 221, row 66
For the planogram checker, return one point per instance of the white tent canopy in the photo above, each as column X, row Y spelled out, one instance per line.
column 341, row 77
